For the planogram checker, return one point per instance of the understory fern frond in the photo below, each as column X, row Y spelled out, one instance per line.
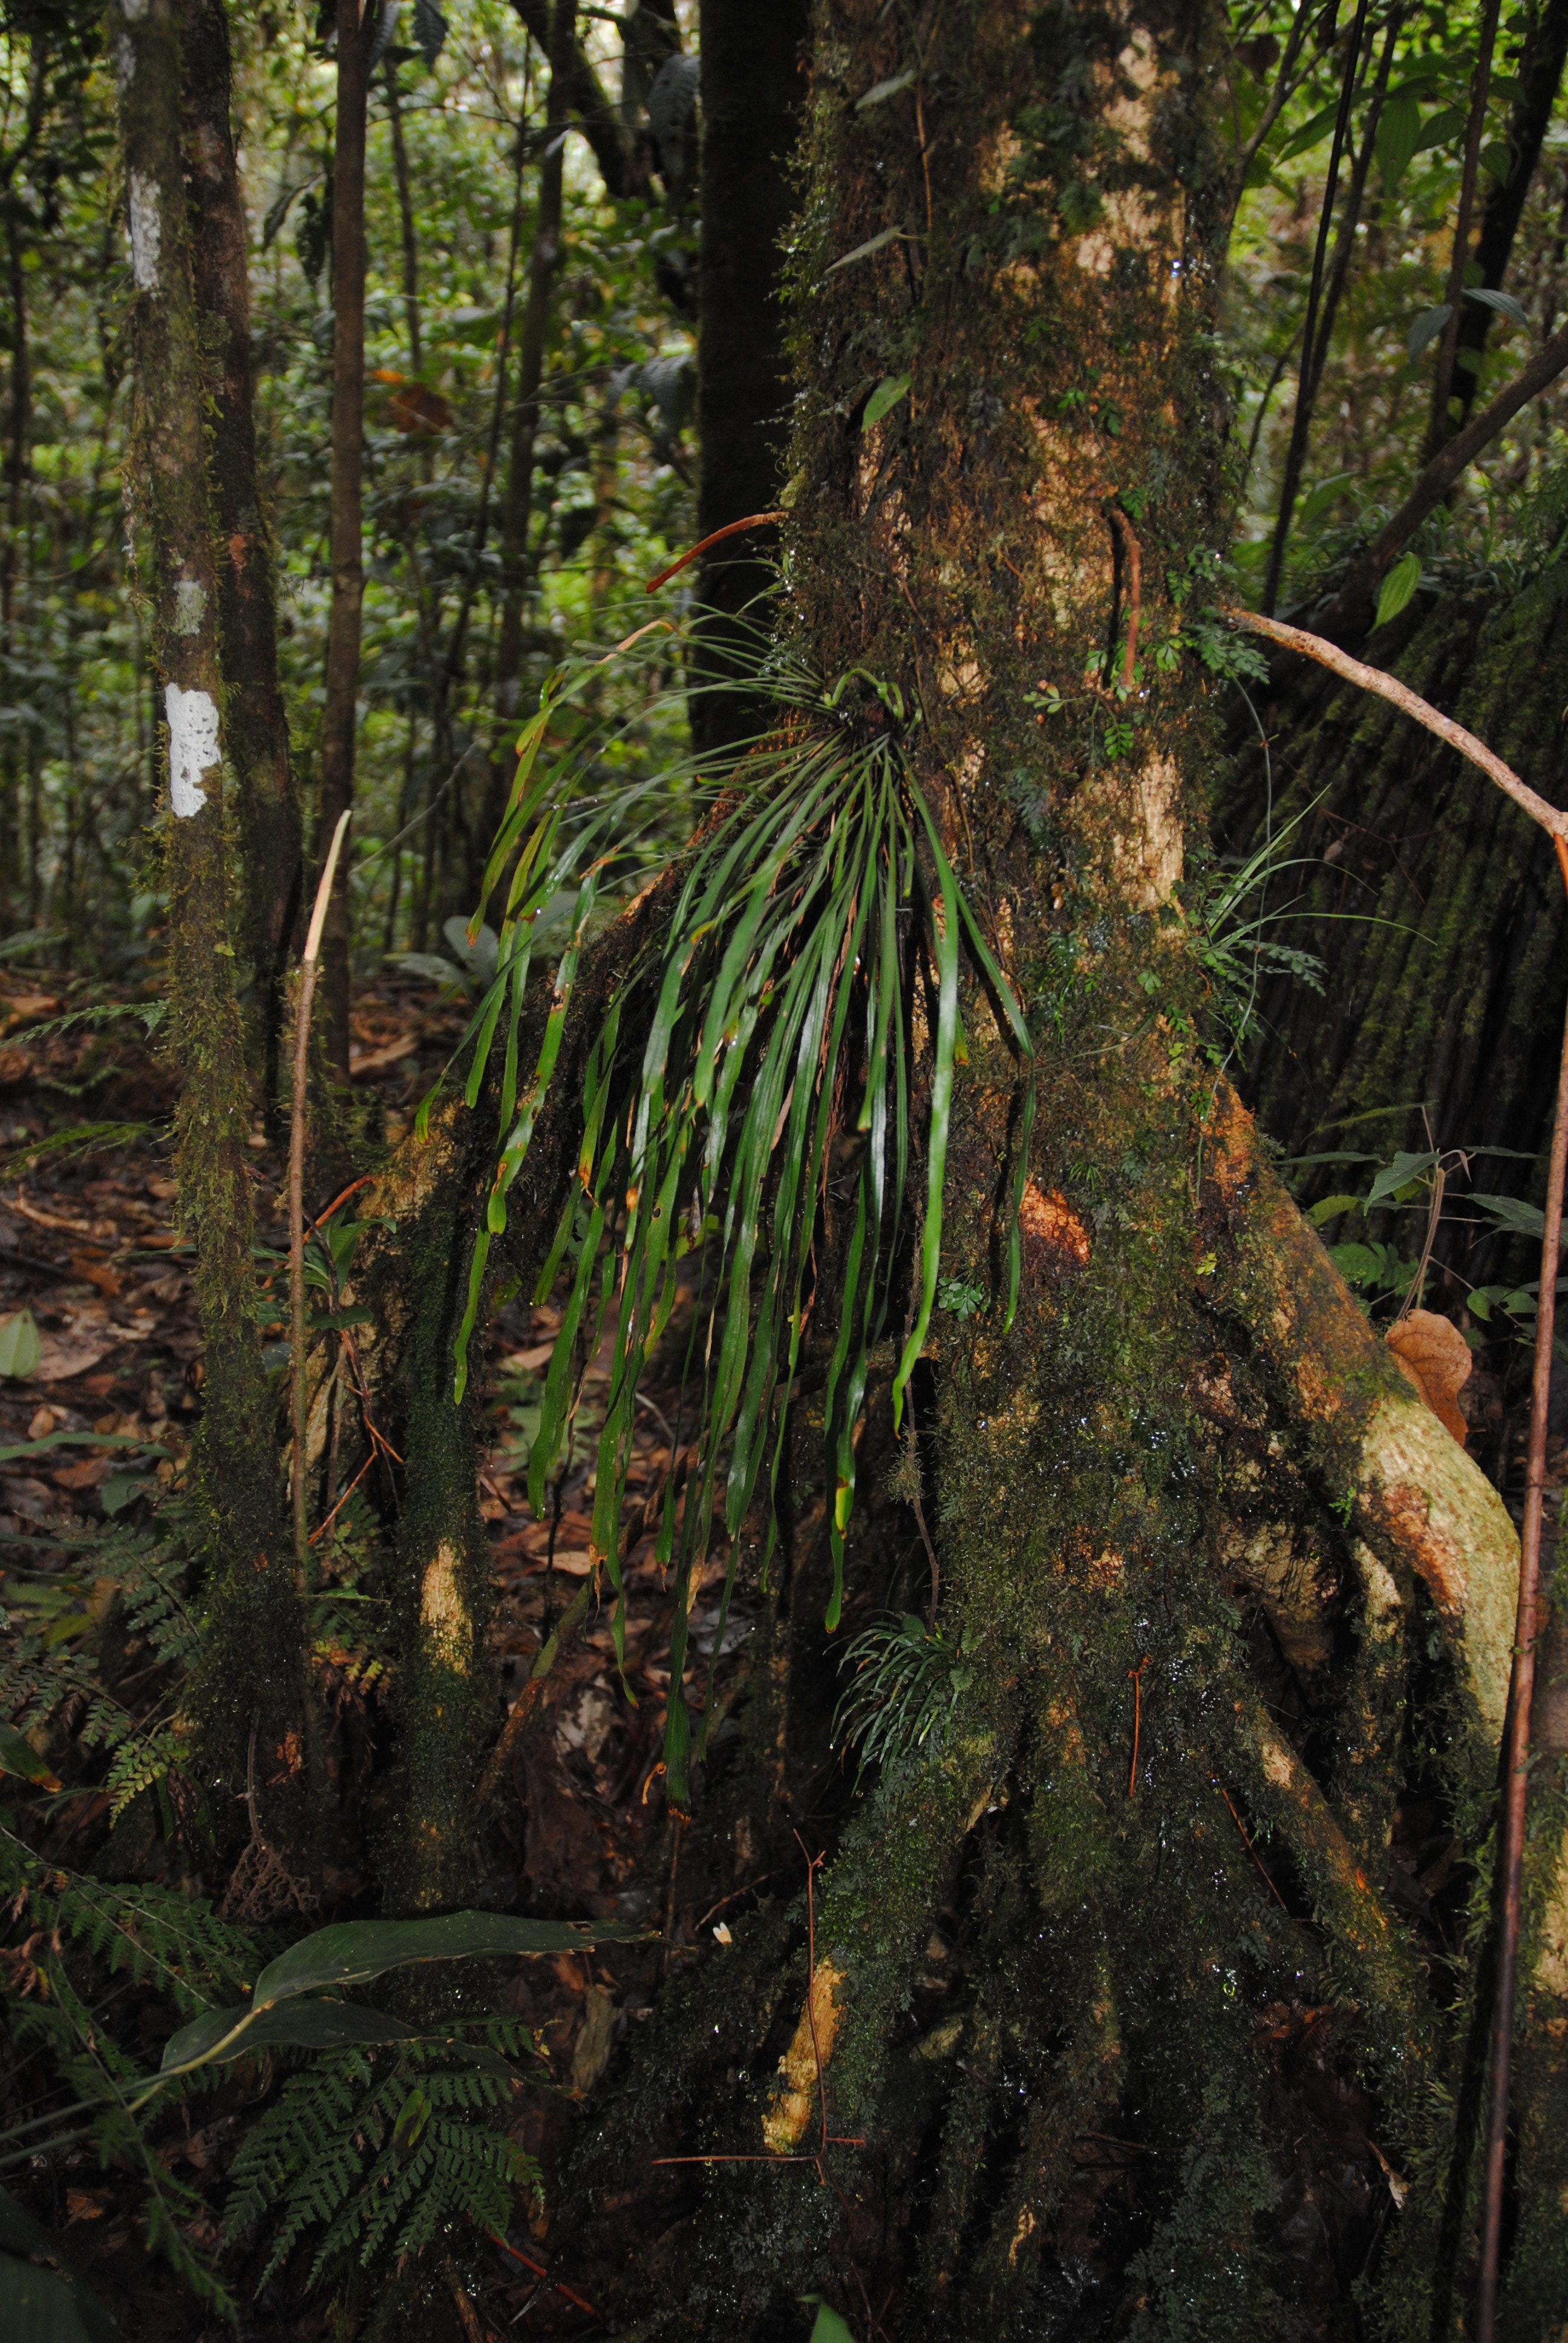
column 384, row 2151
column 799, row 1012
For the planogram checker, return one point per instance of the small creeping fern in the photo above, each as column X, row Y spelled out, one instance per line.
column 906, row 1681
column 802, row 993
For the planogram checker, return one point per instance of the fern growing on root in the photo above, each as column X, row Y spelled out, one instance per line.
column 815, row 902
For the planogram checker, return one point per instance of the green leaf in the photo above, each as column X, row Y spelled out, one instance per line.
column 23, row 1450
column 1397, row 588
column 36, row 2306
column 1512, row 1214
column 829, row 2328
column 1323, row 497
column 1440, row 127
column 21, row 2235
column 18, row 1756
column 1329, row 1207
column 1310, row 133
column 884, row 399
column 20, row 1349
column 295, row 2025
column 1426, row 329
column 356, row 1950
column 880, row 92
column 1504, row 303
column 1398, row 136
column 1399, row 1174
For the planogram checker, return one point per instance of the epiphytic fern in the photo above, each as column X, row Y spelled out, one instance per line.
column 905, row 1682
column 382, row 2150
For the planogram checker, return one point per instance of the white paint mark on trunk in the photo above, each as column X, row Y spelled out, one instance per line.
column 125, row 63
column 146, row 232
column 133, row 10
column 193, row 746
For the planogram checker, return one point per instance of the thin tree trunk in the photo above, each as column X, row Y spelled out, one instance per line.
column 532, row 341
column 1441, row 424
column 256, row 726
column 752, row 91
column 407, row 226
column 252, row 1676
column 340, row 718
column 18, row 468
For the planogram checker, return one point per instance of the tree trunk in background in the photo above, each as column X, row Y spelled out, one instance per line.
column 533, row 334
column 18, row 466
column 1540, row 74
column 252, row 1696
column 1456, row 1003
column 752, row 91
column 1043, row 1951
column 340, row 718
column 256, row 725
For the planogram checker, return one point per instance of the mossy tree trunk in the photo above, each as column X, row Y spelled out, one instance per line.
column 266, row 798
column 252, row 1692
column 1197, row 1541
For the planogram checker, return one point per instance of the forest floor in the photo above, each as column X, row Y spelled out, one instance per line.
column 90, row 1247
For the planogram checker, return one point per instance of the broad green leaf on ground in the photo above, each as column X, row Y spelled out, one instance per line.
column 20, row 1348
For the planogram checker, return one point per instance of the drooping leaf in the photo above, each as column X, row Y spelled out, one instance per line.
column 1397, row 587
column 1398, row 136
column 1426, row 329
column 1505, row 304
column 36, row 2306
column 884, row 399
column 1512, row 1214
column 880, row 92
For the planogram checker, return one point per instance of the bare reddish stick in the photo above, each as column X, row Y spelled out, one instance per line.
column 1521, row 1676
column 730, row 529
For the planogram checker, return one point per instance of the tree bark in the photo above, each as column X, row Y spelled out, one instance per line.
column 533, row 337
column 252, row 1692
column 340, row 718
column 1539, row 75
column 752, row 90
column 256, row 725
column 1188, row 1425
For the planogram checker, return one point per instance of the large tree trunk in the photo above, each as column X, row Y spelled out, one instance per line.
column 1198, row 1539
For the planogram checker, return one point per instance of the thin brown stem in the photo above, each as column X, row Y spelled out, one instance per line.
column 1133, row 554
column 1388, row 687
column 296, row 1195
column 1520, row 1692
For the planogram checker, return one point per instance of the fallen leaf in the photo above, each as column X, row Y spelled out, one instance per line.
column 412, row 407
column 62, row 1357
column 80, row 2207
column 375, row 1062
column 1434, row 1357
column 528, row 1363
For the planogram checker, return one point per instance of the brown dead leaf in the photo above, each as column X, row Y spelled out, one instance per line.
column 80, row 2207
column 414, row 408
column 85, row 1474
column 1053, row 1235
column 16, row 1066
column 1434, row 1357
column 95, row 1271
column 63, row 1356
